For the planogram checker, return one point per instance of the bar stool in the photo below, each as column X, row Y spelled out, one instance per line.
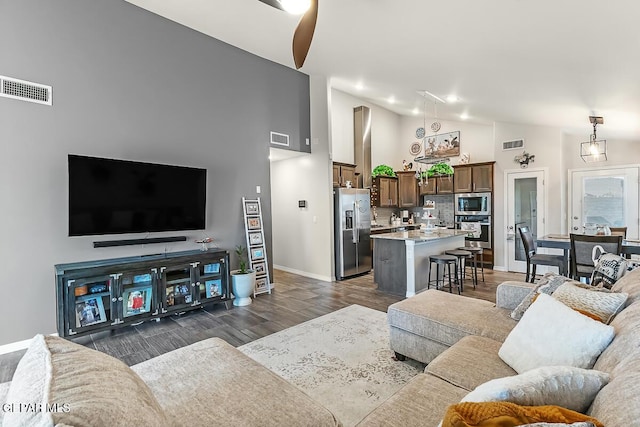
column 462, row 255
column 448, row 261
column 478, row 255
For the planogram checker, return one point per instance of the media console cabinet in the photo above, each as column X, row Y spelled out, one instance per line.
column 107, row 294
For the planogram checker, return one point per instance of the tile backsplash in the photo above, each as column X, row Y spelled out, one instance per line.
column 443, row 211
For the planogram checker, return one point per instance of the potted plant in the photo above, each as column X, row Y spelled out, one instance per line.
column 382, row 170
column 440, row 169
column 243, row 280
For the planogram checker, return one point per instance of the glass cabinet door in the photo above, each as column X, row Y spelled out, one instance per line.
column 89, row 301
column 211, row 283
column 177, row 287
column 137, row 298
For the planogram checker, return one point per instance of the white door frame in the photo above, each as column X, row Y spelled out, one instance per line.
column 542, row 209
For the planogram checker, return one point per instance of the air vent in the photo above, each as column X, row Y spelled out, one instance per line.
column 279, row 139
column 25, row 91
column 513, row 145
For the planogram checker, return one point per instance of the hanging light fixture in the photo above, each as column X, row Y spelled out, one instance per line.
column 595, row 150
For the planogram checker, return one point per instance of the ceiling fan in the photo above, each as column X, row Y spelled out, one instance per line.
column 304, row 31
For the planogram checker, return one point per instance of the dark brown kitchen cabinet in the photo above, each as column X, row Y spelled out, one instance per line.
column 429, row 186
column 473, row 178
column 384, row 192
column 343, row 172
column 407, row 189
column 437, row 185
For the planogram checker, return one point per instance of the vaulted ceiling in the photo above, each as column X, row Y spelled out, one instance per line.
column 543, row 62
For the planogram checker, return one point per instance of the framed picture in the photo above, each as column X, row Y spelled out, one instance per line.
column 179, row 294
column 142, row 278
column 253, row 224
column 255, row 238
column 257, row 253
column 251, row 208
column 89, row 311
column 261, row 284
column 442, row 145
column 259, row 267
column 212, row 268
column 213, row 288
column 136, row 300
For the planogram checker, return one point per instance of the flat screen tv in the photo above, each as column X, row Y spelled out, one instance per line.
column 108, row 196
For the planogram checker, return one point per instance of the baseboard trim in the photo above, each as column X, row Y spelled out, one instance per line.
column 17, row 346
column 303, row 273
column 500, row 268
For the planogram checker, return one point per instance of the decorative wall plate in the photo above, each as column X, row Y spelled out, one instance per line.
column 415, row 148
column 435, row 126
column 420, row 133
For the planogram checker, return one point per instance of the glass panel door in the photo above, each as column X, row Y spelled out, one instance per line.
column 89, row 303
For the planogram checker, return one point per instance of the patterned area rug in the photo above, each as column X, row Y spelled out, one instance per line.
column 342, row 360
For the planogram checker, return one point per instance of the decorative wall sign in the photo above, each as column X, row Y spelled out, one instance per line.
column 443, row 145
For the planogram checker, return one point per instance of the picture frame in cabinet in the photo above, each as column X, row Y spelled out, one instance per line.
column 212, row 268
column 255, row 238
column 89, row 311
column 253, row 224
column 259, row 267
column 213, row 288
column 261, row 283
column 136, row 300
column 257, row 253
column 252, row 208
column 178, row 295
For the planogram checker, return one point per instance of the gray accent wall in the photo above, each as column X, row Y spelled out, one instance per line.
column 127, row 84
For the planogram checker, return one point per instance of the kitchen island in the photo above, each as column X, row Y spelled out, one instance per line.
column 401, row 259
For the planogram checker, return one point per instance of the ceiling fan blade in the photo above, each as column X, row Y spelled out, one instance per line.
column 304, row 34
column 273, row 3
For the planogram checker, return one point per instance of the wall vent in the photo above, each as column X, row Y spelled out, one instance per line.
column 513, row 145
column 279, row 139
column 25, row 91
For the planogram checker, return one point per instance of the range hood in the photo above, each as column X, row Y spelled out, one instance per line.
column 362, row 145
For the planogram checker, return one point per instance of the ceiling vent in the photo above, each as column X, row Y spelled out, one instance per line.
column 513, row 145
column 279, row 139
column 25, row 91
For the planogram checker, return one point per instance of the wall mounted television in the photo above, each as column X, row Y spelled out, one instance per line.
column 109, row 196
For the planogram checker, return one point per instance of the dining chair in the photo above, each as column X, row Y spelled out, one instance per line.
column 581, row 252
column 619, row 231
column 534, row 258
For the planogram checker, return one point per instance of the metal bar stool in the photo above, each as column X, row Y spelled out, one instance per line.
column 478, row 256
column 448, row 261
column 462, row 255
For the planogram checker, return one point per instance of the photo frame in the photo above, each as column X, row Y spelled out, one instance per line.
column 251, row 208
column 257, row 253
column 261, row 284
column 255, row 238
column 259, row 267
column 442, row 145
column 179, row 294
column 89, row 311
column 253, row 224
column 213, row 288
column 136, row 300
column 212, row 268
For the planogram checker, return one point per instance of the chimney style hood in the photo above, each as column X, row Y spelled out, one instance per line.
column 362, row 145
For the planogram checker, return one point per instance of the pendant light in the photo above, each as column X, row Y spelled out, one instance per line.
column 595, row 150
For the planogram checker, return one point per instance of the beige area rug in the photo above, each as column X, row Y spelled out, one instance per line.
column 342, row 360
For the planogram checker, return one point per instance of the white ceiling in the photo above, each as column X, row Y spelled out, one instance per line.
column 543, row 62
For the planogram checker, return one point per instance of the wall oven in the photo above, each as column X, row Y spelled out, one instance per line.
column 473, row 204
column 478, row 228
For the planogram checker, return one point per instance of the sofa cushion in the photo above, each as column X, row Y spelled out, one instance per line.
column 629, row 284
column 446, row 318
column 82, row 386
column 221, row 386
column 598, row 305
column 421, row 402
column 609, row 268
column 550, row 333
column 571, row 388
column 470, row 362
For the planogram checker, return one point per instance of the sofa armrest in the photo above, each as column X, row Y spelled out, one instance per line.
column 511, row 293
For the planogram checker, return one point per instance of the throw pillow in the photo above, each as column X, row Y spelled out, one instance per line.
column 602, row 306
column 507, row 414
column 550, row 333
column 609, row 268
column 63, row 383
column 578, row 424
column 547, row 284
column 566, row 386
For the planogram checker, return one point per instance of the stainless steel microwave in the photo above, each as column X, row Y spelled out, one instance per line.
column 473, row 204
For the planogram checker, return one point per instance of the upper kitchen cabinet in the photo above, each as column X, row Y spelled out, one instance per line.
column 343, row 172
column 473, row 178
column 384, row 192
column 407, row 189
column 437, row 185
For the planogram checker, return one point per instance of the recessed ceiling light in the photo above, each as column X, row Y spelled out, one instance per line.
column 415, row 111
column 452, row 99
column 391, row 100
column 464, row 116
column 359, row 86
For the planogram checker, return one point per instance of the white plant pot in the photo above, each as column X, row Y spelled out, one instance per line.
column 243, row 287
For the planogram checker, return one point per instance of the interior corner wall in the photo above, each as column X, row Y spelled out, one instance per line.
column 127, row 84
column 302, row 237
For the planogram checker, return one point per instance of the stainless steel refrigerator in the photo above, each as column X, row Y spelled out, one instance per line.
column 352, row 234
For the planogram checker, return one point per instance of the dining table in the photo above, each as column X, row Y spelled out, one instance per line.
column 563, row 241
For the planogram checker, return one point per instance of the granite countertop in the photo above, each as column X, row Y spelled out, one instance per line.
column 382, row 228
column 419, row 236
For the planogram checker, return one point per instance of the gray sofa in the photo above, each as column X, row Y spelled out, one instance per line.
column 459, row 338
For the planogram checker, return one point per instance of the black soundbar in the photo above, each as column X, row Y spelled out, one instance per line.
column 127, row 242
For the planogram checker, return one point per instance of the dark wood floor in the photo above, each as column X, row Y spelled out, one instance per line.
column 294, row 300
